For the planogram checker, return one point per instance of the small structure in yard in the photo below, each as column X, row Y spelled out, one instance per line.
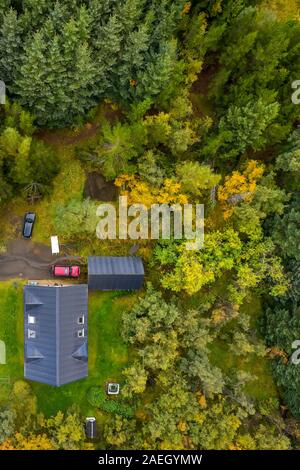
column 55, row 329
column 113, row 388
column 91, row 428
column 54, row 245
column 115, row 272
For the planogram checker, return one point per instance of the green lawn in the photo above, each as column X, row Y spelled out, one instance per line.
column 68, row 184
column 263, row 386
column 11, row 332
column 108, row 354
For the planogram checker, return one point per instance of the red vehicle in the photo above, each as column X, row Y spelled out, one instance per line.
column 65, row 271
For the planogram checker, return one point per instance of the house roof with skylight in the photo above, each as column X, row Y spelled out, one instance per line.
column 56, row 333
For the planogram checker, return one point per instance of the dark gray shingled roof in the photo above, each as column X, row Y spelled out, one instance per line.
column 124, row 265
column 115, row 272
column 56, row 355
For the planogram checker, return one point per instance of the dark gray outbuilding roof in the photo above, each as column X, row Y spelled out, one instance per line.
column 56, row 355
column 115, row 272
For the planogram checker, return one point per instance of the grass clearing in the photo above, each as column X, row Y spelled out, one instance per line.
column 108, row 355
column 68, row 184
column 262, row 386
column 11, row 333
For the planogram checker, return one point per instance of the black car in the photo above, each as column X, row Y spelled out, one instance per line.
column 29, row 220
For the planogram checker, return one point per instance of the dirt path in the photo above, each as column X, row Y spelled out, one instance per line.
column 61, row 138
column 29, row 260
column 201, row 85
column 67, row 137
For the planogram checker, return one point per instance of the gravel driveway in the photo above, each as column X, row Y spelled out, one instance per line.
column 29, row 260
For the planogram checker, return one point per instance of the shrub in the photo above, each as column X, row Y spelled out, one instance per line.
column 118, row 408
column 96, row 396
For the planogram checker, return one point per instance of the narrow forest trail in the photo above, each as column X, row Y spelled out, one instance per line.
column 66, row 137
column 69, row 137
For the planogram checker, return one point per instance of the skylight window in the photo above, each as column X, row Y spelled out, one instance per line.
column 31, row 320
column 81, row 333
column 81, row 320
column 31, row 334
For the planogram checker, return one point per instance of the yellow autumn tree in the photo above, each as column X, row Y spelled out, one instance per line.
column 239, row 187
column 140, row 192
column 33, row 442
column 7, row 445
column 282, row 8
column 224, row 312
column 182, row 426
column 159, row 127
column 186, row 9
column 173, row 129
column 201, row 400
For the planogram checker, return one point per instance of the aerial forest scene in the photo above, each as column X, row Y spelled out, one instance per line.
column 144, row 340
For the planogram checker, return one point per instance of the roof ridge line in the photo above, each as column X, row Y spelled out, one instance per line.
column 57, row 339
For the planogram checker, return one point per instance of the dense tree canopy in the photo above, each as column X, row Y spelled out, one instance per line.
column 61, row 59
column 170, row 102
